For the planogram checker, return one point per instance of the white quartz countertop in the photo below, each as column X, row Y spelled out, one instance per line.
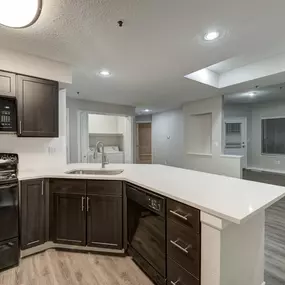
column 231, row 199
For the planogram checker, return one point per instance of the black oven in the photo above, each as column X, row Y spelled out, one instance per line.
column 9, row 205
column 147, row 232
column 8, row 114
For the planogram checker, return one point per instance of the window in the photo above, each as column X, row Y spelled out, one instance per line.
column 273, row 135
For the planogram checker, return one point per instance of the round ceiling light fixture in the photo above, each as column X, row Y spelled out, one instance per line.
column 19, row 13
column 211, row 36
column 251, row 94
column 105, row 73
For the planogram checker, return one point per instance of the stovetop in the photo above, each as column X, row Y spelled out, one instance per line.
column 9, row 158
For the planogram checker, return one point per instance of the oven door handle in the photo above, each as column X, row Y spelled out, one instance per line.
column 8, row 186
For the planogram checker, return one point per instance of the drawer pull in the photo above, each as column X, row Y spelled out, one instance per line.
column 82, row 203
column 88, row 206
column 175, row 283
column 180, row 247
column 180, row 216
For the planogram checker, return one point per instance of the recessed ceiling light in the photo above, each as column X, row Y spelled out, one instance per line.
column 211, row 36
column 147, row 110
column 105, row 73
column 19, row 13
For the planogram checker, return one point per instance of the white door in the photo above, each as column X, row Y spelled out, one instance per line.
column 235, row 138
column 83, row 137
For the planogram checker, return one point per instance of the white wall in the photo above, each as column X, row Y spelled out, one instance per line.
column 172, row 133
column 168, row 138
column 34, row 66
column 40, row 153
column 201, row 126
column 214, row 162
column 254, row 113
column 76, row 105
column 143, row 119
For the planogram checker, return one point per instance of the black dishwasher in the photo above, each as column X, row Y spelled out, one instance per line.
column 147, row 232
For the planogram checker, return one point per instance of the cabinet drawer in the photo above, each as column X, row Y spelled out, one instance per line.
column 183, row 214
column 178, row 276
column 99, row 187
column 68, row 186
column 183, row 246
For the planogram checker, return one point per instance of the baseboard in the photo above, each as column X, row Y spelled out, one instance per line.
column 51, row 245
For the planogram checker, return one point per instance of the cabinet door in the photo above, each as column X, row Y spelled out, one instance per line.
column 37, row 107
column 69, row 221
column 32, row 213
column 7, row 83
column 104, row 221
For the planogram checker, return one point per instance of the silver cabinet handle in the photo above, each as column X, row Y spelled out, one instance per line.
column 20, row 123
column 88, row 206
column 82, row 203
column 42, row 188
column 175, row 283
column 180, row 247
column 180, row 216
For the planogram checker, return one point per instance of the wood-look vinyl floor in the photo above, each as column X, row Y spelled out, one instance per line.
column 274, row 230
column 67, row 268
column 275, row 244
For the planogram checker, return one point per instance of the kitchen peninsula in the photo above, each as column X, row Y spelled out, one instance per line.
column 229, row 240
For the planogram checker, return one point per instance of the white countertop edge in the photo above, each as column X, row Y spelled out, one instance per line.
column 121, row 177
column 199, row 154
column 257, row 169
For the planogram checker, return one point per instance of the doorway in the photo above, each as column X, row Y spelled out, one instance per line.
column 144, row 146
column 235, row 138
column 114, row 131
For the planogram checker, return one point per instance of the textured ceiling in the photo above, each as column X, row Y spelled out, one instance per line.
column 261, row 95
column 160, row 42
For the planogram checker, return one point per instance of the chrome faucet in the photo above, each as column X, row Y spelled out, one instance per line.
column 104, row 156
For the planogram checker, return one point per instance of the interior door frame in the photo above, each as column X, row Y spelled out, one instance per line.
column 68, row 153
column 137, row 140
column 82, row 136
column 242, row 120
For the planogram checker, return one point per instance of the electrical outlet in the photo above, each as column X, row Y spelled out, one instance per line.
column 51, row 150
column 277, row 162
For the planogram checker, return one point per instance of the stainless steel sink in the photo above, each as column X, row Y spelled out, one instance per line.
column 96, row 172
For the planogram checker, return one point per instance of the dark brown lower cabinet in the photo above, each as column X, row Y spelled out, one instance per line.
column 69, row 219
column 178, row 275
column 104, row 221
column 32, row 213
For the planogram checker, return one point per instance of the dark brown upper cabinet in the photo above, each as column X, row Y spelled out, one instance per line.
column 7, row 83
column 37, row 107
column 32, row 213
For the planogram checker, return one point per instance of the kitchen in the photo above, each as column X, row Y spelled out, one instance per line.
column 66, row 221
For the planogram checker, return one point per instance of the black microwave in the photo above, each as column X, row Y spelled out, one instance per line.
column 8, row 114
